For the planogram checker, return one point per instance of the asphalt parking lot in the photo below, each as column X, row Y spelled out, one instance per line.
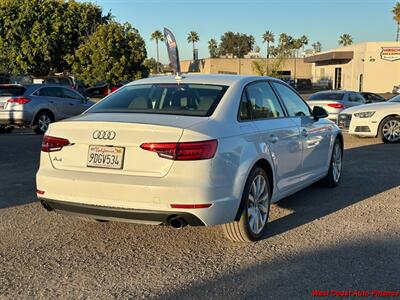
column 319, row 239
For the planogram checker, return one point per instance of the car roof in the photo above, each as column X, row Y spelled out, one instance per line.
column 221, row 79
column 39, row 85
column 334, row 91
column 11, row 85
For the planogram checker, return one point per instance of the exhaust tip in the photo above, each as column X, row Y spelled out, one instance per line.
column 177, row 222
column 45, row 205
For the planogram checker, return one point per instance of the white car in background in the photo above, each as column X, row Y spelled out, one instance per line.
column 372, row 120
column 191, row 150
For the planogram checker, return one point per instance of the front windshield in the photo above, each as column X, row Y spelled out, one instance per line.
column 395, row 99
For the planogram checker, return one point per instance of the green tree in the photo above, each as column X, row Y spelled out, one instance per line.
column 304, row 41
column 193, row 37
column 157, row 36
column 268, row 37
column 213, row 48
column 345, row 40
column 396, row 17
column 268, row 68
column 238, row 44
column 317, row 47
column 36, row 35
column 115, row 52
column 154, row 66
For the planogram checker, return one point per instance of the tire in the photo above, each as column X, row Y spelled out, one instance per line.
column 42, row 122
column 244, row 230
column 332, row 179
column 389, row 130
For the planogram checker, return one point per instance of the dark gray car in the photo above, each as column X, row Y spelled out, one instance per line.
column 38, row 105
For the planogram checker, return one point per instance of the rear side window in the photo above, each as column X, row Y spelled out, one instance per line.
column 327, row 96
column 244, row 109
column 11, row 91
column 177, row 99
column 263, row 101
column 50, row 92
column 356, row 97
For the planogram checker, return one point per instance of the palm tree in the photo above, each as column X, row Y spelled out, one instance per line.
column 268, row 37
column 157, row 36
column 396, row 17
column 304, row 41
column 213, row 48
column 193, row 38
column 296, row 45
column 345, row 40
column 317, row 47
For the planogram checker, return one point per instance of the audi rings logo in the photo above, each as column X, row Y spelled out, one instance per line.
column 104, row 135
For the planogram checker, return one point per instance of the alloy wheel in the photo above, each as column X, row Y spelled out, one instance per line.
column 44, row 122
column 337, row 162
column 391, row 130
column 258, row 204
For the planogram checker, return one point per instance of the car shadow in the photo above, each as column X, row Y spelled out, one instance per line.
column 367, row 171
column 19, row 161
column 363, row 265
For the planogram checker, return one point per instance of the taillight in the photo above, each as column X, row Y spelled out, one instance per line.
column 183, row 151
column 39, row 192
column 336, row 105
column 19, row 100
column 52, row 144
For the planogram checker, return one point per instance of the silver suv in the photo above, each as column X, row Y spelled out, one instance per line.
column 38, row 105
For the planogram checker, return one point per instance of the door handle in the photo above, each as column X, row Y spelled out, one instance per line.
column 72, row 104
column 304, row 132
column 273, row 138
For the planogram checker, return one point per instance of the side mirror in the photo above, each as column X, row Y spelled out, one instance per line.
column 319, row 113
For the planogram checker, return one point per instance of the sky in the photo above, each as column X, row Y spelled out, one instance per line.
column 319, row 20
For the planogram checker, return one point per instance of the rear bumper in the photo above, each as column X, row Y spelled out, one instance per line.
column 15, row 117
column 118, row 214
column 135, row 194
column 333, row 116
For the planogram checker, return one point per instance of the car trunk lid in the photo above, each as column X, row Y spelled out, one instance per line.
column 8, row 91
column 125, row 131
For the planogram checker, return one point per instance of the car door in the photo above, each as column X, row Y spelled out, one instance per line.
column 76, row 102
column 53, row 97
column 276, row 131
column 316, row 135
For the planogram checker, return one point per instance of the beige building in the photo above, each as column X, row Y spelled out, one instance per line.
column 369, row 67
column 291, row 68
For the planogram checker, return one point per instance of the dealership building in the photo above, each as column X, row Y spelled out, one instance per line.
column 369, row 67
column 290, row 68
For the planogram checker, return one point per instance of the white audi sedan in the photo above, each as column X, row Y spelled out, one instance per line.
column 190, row 150
column 372, row 120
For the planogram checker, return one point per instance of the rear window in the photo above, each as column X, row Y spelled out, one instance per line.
column 176, row 99
column 10, row 91
column 327, row 96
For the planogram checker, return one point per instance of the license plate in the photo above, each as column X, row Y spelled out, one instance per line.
column 105, row 157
